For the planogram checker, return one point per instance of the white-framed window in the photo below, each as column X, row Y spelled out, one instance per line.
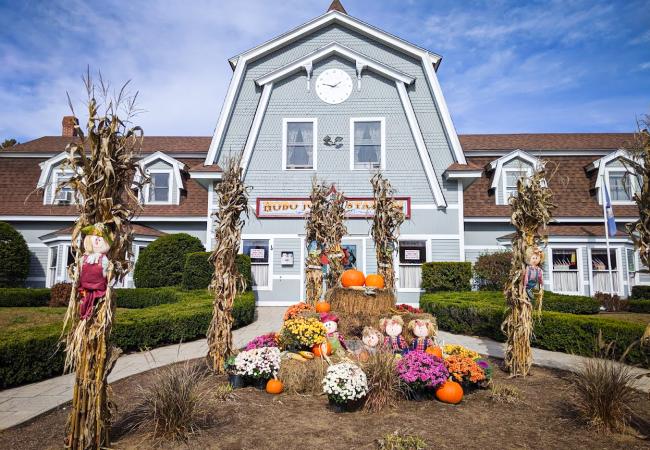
column 65, row 195
column 622, row 185
column 600, row 273
column 510, row 178
column 52, row 264
column 258, row 251
column 299, row 144
column 412, row 254
column 565, row 265
column 159, row 188
column 367, row 143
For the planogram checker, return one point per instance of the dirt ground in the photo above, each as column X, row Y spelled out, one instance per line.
column 252, row 419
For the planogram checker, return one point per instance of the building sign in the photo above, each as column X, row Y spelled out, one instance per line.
column 412, row 255
column 297, row 208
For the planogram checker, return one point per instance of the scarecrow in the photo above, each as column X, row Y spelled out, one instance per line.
column 425, row 332
column 93, row 279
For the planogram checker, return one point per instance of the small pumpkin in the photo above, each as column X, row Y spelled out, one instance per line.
column 322, row 307
column 435, row 351
column 324, row 349
column 450, row 392
column 274, row 386
column 375, row 281
column 352, row 277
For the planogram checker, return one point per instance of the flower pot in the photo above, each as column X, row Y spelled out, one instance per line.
column 345, row 407
column 418, row 395
column 236, row 381
column 260, row 383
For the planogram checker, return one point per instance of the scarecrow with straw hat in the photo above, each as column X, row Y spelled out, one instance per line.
column 93, row 279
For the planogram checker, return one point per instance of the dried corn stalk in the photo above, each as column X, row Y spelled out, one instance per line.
column 102, row 160
column 315, row 238
column 336, row 229
column 639, row 164
column 226, row 280
column 532, row 209
column 389, row 216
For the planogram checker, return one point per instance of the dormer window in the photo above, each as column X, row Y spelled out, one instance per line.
column 615, row 171
column 367, row 143
column 622, row 185
column 65, row 195
column 299, row 148
column 159, row 188
column 508, row 170
column 510, row 179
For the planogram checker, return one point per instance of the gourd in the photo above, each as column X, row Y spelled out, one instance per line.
column 274, row 386
column 352, row 277
column 322, row 307
column 375, row 281
column 435, row 351
column 450, row 392
column 324, row 349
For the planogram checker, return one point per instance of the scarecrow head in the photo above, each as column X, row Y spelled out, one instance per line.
column 534, row 256
column 392, row 326
column 98, row 239
column 422, row 328
column 330, row 321
column 371, row 336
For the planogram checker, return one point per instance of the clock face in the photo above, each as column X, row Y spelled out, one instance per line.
column 333, row 86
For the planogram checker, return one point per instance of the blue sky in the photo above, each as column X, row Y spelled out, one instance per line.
column 508, row 66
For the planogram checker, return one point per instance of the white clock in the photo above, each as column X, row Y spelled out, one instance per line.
column 333, row 86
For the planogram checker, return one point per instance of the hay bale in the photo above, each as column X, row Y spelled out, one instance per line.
column 303, row 377
column 351, row 325
column 351, row 300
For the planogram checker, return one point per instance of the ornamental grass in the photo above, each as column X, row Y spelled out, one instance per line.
column 385, row 387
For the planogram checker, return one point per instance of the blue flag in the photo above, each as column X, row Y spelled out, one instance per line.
column 609, row 212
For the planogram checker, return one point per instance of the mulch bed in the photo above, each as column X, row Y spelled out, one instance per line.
column 251, row 419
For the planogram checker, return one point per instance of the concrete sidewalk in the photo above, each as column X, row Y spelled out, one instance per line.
column 20, row 404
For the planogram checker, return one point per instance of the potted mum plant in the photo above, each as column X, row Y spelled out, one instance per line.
column 258, row 365
column 345, row 385
column 235, row 379
column 301, row 333
column 421, row 372
column 265, row 340
column 465, row 371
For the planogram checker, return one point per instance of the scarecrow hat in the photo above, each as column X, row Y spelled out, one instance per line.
column 98, row 229
column 328, row 317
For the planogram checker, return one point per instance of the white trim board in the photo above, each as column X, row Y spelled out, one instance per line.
column 314, row 152
column 255, row 128
column 382, row 138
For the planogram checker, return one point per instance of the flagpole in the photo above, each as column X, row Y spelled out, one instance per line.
column 609, row 255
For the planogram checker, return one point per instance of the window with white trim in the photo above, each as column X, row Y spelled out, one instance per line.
column 52, row 264
column 159, row 188
column 367, row 143
column 412, row 254
column 65, row 194
column 258, row 251
column 622, row 185
column 600, row 270
column 510, row 178
column 566, row 276
column 299, row 150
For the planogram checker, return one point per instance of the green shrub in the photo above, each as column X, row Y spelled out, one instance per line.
column 137, row 298
column 24, row 297
column 639, row 306
column 640, row 293
column 161, row 263
column 14, row 257
column 29, row 355
column 446, row 276
column 568, row 333
column 491, row 270
column 574, row 304
column 198, row 270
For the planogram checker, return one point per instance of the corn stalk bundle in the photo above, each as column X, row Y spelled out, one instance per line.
column 316, row 232
column 532, row 209
column 336, row 229
column 639, row 164
column 226, row 280
column 389, row 216
column 102, row 160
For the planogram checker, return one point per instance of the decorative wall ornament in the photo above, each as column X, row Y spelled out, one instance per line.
column 309, row 68
column 337, row 142
column 360, row 66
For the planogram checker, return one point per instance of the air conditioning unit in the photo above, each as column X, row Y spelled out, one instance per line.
column 64, row 197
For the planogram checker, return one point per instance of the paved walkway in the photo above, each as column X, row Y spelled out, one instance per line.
column 20, row 404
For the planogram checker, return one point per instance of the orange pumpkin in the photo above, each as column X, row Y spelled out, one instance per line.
column 435, row 351
column 450, row 392
column 318, row 349
column 375, row 281
column 322, row 307
column 274, row 386
column 352, row 277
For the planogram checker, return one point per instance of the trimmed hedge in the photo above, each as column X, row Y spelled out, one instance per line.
column 446, row 276
column 137, row 298
column 24, row 297
column 31, row 355
column 14, row 257
column 568, row 333
column 161, row 263
column 640, row 293
column 639, row 306
column 198, row 270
